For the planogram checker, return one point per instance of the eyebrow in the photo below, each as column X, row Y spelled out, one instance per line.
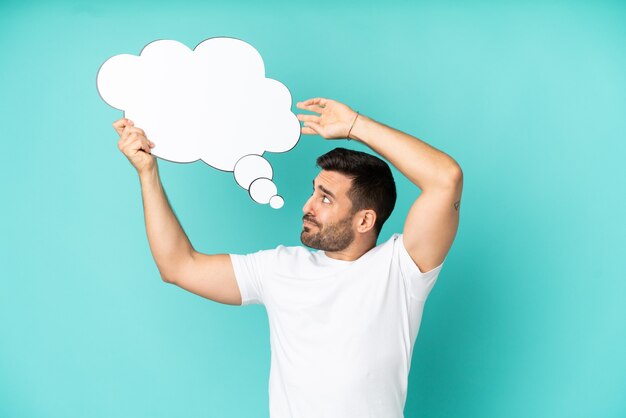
column 324, row 189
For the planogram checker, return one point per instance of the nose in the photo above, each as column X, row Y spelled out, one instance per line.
column 308, row 207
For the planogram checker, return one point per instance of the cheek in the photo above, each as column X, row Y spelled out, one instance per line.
column 327, row 214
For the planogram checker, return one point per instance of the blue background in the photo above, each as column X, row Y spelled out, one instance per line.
column 527, row 318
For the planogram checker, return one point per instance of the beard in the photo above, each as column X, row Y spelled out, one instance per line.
column 332, row 237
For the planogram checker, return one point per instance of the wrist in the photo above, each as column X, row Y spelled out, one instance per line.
column 148, row 173
column 359, row 127
column 354, row 118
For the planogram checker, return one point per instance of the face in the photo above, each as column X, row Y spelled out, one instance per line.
column 327, row 220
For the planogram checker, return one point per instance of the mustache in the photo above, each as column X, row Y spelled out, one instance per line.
column 309, row 219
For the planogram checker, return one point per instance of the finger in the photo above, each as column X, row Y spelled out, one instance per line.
column 314, row 127
column 308, row 131
column 124, row 136
column 119, row 125
column 145, row 146
column 138, row 130
column 315, row 101
column 128, row 140
column 312, row 108
column 140, row 144
column 130, row 133
column 121, row 122
column 309, row 118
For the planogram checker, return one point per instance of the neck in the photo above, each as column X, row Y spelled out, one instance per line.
column 354, row 251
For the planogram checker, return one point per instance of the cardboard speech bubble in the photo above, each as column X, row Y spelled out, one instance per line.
column 212, row 103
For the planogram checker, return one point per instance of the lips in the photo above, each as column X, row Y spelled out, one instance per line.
column 307, row 221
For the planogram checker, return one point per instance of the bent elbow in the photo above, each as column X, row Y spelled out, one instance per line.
column 456, row 175
column 167, row 279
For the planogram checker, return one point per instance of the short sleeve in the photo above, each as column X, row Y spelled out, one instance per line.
column 419, row 283
column 250, row 272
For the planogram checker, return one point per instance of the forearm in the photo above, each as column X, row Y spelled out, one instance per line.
column 421, row 163
column 169, row 245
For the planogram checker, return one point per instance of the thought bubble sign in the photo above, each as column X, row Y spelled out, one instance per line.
column 212, row 103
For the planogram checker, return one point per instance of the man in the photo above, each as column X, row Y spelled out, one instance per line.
column 343, row 319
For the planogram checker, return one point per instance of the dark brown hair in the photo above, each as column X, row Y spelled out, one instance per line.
column 373, row 186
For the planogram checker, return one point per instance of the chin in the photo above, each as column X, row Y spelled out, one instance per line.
column 304, row 239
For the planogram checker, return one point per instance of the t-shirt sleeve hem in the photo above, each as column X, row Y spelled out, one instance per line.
column 411, row 269
column 236, row 261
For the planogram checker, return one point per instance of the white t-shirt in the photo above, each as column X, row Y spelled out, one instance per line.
column 341, row 332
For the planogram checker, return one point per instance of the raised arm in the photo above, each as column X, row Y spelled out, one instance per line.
column 210, row 276
column 433, row 219
column 432, row 222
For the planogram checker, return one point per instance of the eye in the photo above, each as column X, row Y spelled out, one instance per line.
column 326, row 199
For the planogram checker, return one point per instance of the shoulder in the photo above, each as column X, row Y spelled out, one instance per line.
column 391, row 244
column 393, row 247
column 384, row 250
column 280, row 252
column 283, row 253
column 292, row 261
column 278, row 259
column 396, row 242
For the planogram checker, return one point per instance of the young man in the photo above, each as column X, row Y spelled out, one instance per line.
column 343, row 319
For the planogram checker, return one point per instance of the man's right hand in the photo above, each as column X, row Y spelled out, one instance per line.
column 135, row 145
column 210, row 276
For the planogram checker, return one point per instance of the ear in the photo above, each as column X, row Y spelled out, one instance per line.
column 365, row 220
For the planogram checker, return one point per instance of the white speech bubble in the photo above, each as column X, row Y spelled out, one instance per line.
column 212, row 103
column 262, row 190
column 277, row 202
column 250, row 168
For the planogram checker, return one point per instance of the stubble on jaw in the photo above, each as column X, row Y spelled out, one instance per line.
column 332, row 237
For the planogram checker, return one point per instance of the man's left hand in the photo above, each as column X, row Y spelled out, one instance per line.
column 334, row 121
